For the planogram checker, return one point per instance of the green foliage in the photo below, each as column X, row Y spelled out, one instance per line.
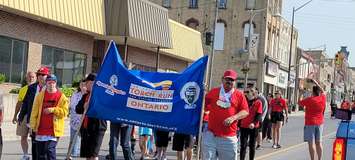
column 15, row 90
column 2, row 78
column 68, row 91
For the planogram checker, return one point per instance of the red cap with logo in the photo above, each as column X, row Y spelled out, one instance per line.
column 43, row 70
column 230, row 74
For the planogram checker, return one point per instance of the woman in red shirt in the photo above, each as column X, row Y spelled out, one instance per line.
column 314, row 119
column 277, row 106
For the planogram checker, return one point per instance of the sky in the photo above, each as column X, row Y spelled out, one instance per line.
column 324, row 22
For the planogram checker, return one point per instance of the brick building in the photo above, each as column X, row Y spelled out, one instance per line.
column 269, row 68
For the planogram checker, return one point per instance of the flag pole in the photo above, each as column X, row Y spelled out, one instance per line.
column 199, row 141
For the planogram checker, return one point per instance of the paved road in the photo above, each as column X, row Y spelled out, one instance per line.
column 292, row 141
column 292, row 144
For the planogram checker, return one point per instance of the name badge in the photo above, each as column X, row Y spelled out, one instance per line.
column 223, row 104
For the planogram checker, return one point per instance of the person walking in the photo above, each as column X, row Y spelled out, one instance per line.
column 22, row 129
column 226, row 105
column 76, row 118
column 264, row 103
column 267, row 122
column 161, row 143
column 92, row 129
column 1, row 120
column 50, row 108
column 249, row 125
column 183, row 143
column 278, row 107
column 27, row 103
column 120, row 132
column 314, row 120
column 144, row 135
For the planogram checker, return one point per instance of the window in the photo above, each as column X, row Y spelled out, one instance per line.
column 192, row 23
column 246, row 34
column 143, row 67
column 13, row 59
column 167, row 3
column 68, row 66
column 222, row 4
column 219, row 36
column 193, row 4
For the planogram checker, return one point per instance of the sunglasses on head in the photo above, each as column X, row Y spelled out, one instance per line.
column 246, row 92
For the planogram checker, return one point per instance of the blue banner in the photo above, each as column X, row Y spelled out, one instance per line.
column 164, row 101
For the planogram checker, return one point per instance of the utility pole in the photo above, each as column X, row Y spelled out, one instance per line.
column 211, row 57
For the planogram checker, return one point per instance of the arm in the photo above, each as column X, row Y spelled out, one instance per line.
column 284, row 103
column 35, row 112
column 258, row 115
column 79, row 109
column 61, row 111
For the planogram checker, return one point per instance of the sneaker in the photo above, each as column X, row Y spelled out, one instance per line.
column 25, row 157
column 278, row 146
column 258, row 147
column 269, row 140
column 274, row 146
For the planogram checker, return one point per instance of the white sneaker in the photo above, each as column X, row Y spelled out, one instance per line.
column 25, row 157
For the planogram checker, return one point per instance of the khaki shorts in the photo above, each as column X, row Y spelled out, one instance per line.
column 22, row 129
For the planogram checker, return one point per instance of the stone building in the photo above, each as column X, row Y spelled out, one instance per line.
column 269, row 68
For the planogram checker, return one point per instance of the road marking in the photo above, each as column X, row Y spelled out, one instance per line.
column 289, row 148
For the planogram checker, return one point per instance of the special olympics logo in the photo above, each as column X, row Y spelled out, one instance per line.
column 113, row 82
column 189, row 93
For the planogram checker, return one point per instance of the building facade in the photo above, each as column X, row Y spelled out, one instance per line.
column 268, row 66
column 71, row 38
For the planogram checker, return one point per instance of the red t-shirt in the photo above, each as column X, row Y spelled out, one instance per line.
column 218, row 114
column 257, row 107
column 46, row 123
column 314, row 109
column 278, row 104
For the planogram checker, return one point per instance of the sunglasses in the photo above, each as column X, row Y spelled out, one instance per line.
column 229, row 79
column 246, row 92
column 40, row 74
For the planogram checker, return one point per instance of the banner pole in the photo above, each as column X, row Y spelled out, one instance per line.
column 201, row 124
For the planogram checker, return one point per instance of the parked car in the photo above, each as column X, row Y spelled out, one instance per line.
column 344, row 144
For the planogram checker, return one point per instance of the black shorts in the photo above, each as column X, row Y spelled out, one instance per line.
column 182, row 141
column 161, row 138
column 277, row 117
column 91, row 143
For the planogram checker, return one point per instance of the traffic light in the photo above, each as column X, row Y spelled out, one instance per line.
column 208, row 38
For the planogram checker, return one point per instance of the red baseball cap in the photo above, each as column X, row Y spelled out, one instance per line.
column 43, row 70
column 230, row 74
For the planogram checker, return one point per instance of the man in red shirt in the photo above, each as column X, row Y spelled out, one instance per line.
column 250, row 124
column 226, row 106
column 277, row 106
column 314, row 119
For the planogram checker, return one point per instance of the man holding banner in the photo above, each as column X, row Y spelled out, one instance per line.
column 226, row 105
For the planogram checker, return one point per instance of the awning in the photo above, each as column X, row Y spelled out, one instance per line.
column 141, row 21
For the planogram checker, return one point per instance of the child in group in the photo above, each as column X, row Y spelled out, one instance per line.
column 144, row 136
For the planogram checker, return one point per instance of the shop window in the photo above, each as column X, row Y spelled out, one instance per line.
column 67, row 65
column 193, row 4
column 167, row 3
column 13, row 59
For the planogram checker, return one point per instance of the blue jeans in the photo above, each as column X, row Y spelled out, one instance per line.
column 46, row 150
column 224, row 147
column 125, row 138
column 76, row 145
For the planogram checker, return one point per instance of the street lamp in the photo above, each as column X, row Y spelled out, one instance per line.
column 250, row 6
column 290, row 55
